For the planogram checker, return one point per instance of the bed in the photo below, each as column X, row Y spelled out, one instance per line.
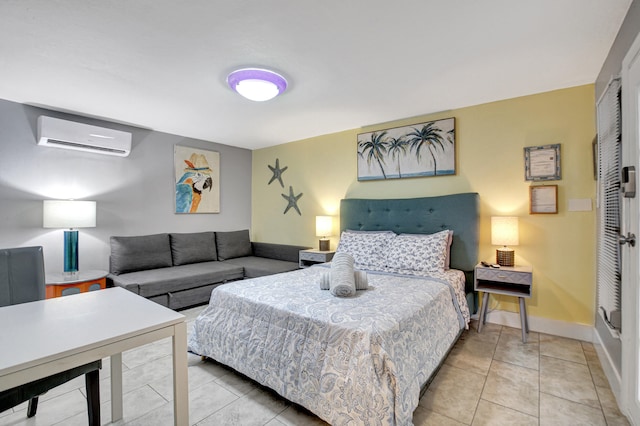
column 356, row 360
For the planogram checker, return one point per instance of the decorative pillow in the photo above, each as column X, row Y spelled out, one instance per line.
column 233, row 244
column 367, row 247
column 129, row 254
column 419, row 252
column 193, row 248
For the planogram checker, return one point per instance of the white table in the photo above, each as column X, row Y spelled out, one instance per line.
column 42, row 338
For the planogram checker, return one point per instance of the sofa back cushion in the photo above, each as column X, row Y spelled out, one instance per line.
column 233, row 244
column 129, row 254
column 193, row 248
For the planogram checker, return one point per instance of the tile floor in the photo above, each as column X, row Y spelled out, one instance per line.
column 488, row 379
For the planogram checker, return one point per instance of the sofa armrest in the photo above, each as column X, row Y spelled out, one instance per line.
column 284, row 252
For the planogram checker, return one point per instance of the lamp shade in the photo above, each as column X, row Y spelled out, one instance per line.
column 324, row 226
column 504, row 231
column 68, row 214
column 257, row 84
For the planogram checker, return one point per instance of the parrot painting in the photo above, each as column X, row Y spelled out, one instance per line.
column 195, row 180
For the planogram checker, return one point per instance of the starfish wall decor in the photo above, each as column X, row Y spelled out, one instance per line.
column 277, row 172
column 292, row 201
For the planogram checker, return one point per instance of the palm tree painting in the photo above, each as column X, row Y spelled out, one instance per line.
column 419, row 150
column 197, row 173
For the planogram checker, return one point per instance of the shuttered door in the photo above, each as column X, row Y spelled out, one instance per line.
column 609, row 196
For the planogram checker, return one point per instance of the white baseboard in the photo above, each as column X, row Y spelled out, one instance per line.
column 615, row 381
column 544, row 325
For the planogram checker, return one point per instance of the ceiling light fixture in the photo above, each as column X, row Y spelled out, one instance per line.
column 257, row 84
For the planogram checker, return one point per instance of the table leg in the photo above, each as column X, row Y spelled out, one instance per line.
column 180, row 376
column 116, row 387
column 92, row 382
column 524, row 322
column 483, row 311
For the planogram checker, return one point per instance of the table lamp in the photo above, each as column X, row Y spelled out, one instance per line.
column 324, row 228
column 504, row 232
column 69, row 214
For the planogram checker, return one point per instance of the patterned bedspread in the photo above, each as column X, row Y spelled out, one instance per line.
column 358, row 360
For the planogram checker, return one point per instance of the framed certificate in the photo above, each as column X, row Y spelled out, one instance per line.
column 542, row 162
column 543, row 199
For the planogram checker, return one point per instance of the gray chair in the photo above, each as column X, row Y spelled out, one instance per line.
column 22, row 280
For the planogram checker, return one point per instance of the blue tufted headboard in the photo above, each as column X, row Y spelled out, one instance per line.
column 458, row 212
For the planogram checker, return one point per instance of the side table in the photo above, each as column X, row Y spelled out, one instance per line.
column 310, row 257
column 514, row 281
column 60, row 285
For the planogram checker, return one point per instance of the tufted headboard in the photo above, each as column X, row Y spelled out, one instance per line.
column 458, row 212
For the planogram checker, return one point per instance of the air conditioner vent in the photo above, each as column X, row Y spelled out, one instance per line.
column 64, row 134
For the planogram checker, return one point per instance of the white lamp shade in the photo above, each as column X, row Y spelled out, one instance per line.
column 504, row 231
column 68, row 214
column 324, row 226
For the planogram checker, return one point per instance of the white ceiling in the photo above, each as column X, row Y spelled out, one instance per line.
column 162, row 64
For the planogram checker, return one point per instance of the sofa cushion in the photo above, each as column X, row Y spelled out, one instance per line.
column 233, row 244
column 193, row 248
column 139, row 253
column 286, row 252
column 166, row 280
column 260, row 266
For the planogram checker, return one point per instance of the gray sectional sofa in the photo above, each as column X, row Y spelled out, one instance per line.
column 180, row 270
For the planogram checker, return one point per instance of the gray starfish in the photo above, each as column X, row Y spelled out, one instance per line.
column 277, row 172
column 293, row 201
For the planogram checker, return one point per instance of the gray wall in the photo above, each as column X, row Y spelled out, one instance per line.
column 611, row 68
column 627, row 34
column 134, row 194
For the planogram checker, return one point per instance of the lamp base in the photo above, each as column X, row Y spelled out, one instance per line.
column 71, row 251
column 324, row 245
column 505, row 256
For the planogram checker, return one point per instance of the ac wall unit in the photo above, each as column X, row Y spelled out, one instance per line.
column 65, row 134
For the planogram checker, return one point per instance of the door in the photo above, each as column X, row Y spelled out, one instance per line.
column 630, row 223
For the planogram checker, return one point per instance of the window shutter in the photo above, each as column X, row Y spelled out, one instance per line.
column 609, row 169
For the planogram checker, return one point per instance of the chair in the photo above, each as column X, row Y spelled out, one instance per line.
column 22, row 280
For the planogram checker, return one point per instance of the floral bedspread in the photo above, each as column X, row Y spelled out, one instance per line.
column 357, row 360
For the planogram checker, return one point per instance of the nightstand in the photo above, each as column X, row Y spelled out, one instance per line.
column 310, row 257
column 513, row 281
column 60, row 285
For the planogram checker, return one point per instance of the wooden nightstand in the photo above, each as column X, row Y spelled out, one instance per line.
column 60, row 285
column 310, row 257
column 509, row 281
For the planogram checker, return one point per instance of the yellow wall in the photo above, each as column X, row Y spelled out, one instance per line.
column 489, row 158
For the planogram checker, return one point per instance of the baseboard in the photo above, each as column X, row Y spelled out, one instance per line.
column 608, row 366
column 544, row 325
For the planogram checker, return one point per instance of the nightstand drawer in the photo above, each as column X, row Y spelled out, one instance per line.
column 504, row 276
column 316, row 257
column 311, row 257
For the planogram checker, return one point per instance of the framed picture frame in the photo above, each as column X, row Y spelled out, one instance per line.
column 197, row 180
column 418, row 150
column 594, row 152
column 542, row 163
column 543, row 199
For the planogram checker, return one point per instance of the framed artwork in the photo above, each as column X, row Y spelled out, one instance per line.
column 594, row 153
column 419, row 150
column 542, row 162
column 543, row 199
column 197, row 180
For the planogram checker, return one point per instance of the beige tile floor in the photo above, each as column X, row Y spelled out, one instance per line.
column 490, row 378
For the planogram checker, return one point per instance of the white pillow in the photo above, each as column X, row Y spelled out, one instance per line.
column 368, row 248
column 419, row 252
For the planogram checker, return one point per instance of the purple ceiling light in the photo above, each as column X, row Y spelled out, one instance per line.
column 257, row 84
